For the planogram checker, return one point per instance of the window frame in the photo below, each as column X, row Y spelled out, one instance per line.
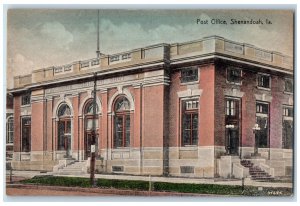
column 185, row 69
column 10, row 133
column 262, row 114
column 190, row 112
column 258, row 80
column 26, row 99
column 287, row 110
column 240, row 76
column 125, row 116
column 285, row 87
column 22, row 134
column 64, row 114
column 287, row 117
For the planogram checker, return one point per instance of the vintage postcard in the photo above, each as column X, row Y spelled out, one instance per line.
column 156, row 102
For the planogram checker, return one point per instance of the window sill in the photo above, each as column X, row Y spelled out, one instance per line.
column 189, row 83
column 121, row 149
column 234, row 83
column 264, row 88
column 290, row 93
column 25, row 105
column 189, row 147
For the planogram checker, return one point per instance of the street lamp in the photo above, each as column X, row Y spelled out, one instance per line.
column 256, row 129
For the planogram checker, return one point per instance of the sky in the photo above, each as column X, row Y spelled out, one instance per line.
column 39, row 38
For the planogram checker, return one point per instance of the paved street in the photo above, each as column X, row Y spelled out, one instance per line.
column 48, row 192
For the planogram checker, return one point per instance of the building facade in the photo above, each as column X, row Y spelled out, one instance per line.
column 195, row 109
column 9, row 128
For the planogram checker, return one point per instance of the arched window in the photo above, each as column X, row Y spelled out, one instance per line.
column 10, row 130
column 122, row 122
column 64, row 128
column 64, row 110
column 88, row 127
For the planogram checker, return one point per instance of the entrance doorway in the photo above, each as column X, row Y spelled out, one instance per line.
column 64, row 136
column 232, row 126
column 90, row 125
column 64, row 140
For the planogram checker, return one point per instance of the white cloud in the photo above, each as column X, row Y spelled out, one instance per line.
column 21, row 64
column 56, row 33
column 18, row 65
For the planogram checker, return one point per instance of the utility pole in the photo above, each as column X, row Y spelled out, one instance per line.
column 98, row 39
column 93, row 142
column 94, row 132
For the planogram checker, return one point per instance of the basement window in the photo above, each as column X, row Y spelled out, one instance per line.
column 117, row 168
column 187, row 169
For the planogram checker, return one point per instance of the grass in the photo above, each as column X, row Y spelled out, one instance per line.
column 159, row 186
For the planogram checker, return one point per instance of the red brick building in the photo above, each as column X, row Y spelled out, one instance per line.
column 197, row 108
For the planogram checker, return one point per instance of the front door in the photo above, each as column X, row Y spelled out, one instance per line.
column 68, row 145
column 261, row 136
column 87, row 144
column 232, row 126
column 233, row 141
column 64, row 136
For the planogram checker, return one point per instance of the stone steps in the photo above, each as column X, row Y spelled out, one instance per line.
column 74, row 168
column 256, row 172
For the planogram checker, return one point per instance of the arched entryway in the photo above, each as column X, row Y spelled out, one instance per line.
column 88, row 128
column 64, row 130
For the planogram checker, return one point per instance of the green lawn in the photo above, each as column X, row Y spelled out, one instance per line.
column 159, row 186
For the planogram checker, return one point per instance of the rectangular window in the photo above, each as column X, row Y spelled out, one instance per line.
column 263, row 80
column 288, row 111
column 289, row 85
column 187, row 169
column 10, row 130
column 234, row 75
column 287, row 127
column 262, row 108
column 231, row 107
column 122, row 130
column 26, row 99
column 117, row 168
column 287, row 134
column 26, row 134
column 190, row 122
column 189, row 74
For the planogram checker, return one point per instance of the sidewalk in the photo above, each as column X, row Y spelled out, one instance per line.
column 247, row 182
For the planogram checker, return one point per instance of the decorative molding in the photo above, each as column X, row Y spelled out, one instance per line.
column 190, row 93
column 233, row 92
column 263, row 97
column 127, row 94
column 62, row 100
column 86, row 99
